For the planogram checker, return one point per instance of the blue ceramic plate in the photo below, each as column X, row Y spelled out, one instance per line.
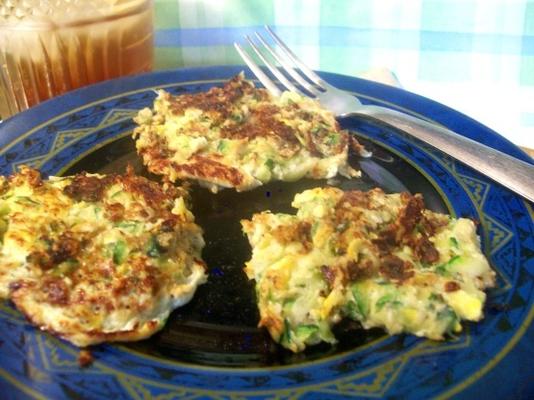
column 211, row 347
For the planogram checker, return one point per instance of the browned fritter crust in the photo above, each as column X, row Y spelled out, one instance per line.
column 207, row 169
column 250, row 121
column 118, row 254
column 380, row 259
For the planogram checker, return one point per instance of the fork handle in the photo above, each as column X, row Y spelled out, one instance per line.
column 510, row 172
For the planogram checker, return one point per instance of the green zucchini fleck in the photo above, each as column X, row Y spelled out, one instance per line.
column 304, row 332
column 26, row 200
column 387, row 299
column 444, row 269
column 237, row 117
column 359, row 308
column 288, row 304
column 451, row 318
column 351, row 309
column 285, row 338
column 269, row 163
column 381, row 302
column 131, row 226
column 314, row 228
column 153, row 249
column 97, row 211
column 117, row 193
column 221, row 146
column 3, row 229
column 319, row 129
column 435, row 297
column 332, row 139
column 120, row 252
column 66, row 267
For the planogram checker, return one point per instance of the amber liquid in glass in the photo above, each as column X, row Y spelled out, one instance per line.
column 38, row 63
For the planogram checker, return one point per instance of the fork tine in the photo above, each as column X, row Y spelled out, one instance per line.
column 267, row 82
column 289, row 69
column 276, row 72
column 307, row 71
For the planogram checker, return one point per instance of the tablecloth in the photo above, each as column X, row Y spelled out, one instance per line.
column 474, row 56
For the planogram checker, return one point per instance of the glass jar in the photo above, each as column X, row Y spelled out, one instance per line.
column 48, row 47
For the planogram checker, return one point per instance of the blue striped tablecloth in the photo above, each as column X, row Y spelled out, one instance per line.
column 475, row 56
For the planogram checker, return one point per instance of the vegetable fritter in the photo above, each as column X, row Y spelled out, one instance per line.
column 95, row 258
column 241, row 137
column 382, row 260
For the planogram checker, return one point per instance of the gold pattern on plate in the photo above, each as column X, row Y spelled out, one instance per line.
column 66, row 138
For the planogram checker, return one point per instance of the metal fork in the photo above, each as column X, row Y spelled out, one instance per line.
column 510, row 172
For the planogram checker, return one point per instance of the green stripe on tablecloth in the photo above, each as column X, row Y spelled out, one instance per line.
column 204, row 55
column 173, row 57
column 350, row 37
column 355, row 13
column 167, row 58
column 526, row 77
column 439, row 66
column 448, row 15
column 337, row 59
column 245, row 13
column 215, row 14
column 166, row 14
column 528, row 26
column 527, row 119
